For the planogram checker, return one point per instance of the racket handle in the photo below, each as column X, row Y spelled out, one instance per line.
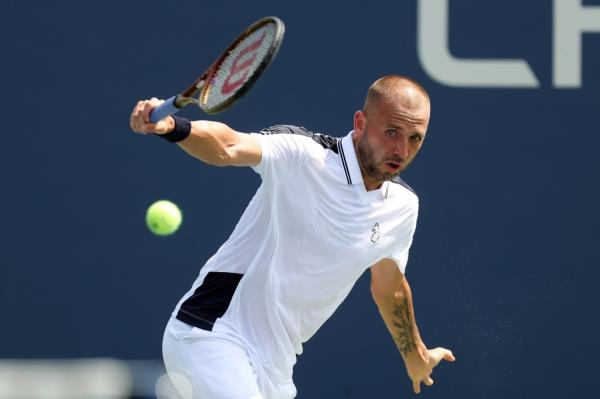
column 163, row 110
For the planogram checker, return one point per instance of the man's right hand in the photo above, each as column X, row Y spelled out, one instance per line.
column 420, row 364
column 140, row 118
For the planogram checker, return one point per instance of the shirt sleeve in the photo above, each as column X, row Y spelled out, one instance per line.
column 282, row 153
column 401, row 259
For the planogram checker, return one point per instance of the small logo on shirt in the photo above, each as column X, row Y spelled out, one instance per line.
column 376, row 234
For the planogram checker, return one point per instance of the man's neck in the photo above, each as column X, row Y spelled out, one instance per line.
column 369, row 182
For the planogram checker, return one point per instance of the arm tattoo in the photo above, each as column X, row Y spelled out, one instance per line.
column 403, row 321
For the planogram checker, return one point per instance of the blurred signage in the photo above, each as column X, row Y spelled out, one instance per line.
column 571, row 19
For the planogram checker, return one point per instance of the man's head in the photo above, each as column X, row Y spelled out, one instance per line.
column 390, row 129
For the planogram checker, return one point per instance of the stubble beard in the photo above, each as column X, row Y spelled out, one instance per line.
column 369, row 164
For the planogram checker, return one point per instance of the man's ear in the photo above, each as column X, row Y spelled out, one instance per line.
column 360, row 120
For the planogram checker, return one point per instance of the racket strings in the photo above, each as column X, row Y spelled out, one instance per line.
column 239, row 66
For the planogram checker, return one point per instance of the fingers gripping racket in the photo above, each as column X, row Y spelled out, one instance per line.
column 232, row 74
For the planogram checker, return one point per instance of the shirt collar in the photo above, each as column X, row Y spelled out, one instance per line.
column 349, row 160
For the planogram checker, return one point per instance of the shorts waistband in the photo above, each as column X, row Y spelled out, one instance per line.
column 194, row 320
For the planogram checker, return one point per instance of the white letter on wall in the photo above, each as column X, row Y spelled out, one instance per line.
column 571, row 19
column 435, row 57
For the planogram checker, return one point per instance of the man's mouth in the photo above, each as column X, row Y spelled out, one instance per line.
column 392, row 167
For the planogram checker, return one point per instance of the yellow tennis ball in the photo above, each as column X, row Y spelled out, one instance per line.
column 163, row 218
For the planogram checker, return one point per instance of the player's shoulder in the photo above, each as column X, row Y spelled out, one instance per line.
column 324, row 141
column 400, row 186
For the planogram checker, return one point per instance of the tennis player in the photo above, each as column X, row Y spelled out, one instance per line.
column 327, row 210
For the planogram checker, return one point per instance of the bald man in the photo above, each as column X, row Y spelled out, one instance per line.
column 327, row 210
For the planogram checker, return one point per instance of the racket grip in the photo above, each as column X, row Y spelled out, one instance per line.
column 163, row 110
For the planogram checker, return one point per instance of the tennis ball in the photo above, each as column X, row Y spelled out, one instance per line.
column 163, row 218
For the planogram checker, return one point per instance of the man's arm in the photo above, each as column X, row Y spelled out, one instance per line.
column 211, row 142
column 393, row 297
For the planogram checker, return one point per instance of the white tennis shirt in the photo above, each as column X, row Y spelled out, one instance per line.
column 304, row 239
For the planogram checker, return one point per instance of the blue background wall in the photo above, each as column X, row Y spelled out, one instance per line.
column 504, row 267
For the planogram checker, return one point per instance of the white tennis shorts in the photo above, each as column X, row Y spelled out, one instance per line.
column 210, row 365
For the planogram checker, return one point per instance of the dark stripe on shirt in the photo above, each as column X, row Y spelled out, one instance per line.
column 344, row 164
column 210, row 300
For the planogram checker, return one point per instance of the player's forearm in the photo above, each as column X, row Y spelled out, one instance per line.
column 396, row 308
column 210, row 142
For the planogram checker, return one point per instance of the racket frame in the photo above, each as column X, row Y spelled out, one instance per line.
column 200, row 88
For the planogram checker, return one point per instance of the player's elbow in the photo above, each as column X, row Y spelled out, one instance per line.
column 386, row 300
column 229, row 155
column 221, row 158
column 385, row 292
column 212, row 143
column 215, row 156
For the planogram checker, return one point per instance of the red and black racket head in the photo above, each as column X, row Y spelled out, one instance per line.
column 232, row 74
column 238, row 68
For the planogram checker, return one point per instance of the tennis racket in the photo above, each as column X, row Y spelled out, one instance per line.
column 232, row 74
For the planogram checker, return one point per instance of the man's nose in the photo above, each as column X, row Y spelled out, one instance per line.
column 401, row 148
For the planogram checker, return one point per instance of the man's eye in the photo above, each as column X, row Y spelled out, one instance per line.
column 391, row 133
column 415, row 138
